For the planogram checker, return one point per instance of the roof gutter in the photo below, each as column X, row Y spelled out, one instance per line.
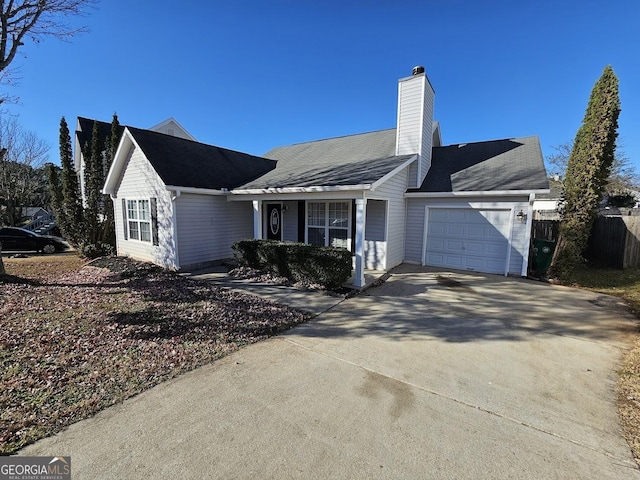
column 200, row 191
column 485, row 193
column 314, row 189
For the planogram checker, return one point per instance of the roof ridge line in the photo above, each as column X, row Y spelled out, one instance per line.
column 335, row 138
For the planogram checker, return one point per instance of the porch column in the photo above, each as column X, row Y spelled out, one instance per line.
column 257, row 219
column 361, row 214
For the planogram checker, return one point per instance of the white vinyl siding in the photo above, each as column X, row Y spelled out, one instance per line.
column 393, row 189
column 375, row 244
column 140, row 181
column 427, row 133
column 415, row 119
column 208, row 226
column 409, row 115
column 290, row 221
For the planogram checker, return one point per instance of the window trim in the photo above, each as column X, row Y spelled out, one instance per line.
column 326, row 225
column 138, row 220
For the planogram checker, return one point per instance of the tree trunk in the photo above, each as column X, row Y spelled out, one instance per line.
column 1, row 262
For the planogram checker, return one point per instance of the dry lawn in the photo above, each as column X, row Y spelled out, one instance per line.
column 76, row 339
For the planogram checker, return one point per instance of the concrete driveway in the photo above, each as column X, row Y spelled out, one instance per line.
column 431, row 375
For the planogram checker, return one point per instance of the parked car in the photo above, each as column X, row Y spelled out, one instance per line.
column 14, row 238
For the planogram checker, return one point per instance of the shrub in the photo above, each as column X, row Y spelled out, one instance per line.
column 327, row 266
column 95, row 250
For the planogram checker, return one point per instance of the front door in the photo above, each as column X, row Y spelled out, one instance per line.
column 274, row 221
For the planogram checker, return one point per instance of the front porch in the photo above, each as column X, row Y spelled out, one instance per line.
column 336, row 219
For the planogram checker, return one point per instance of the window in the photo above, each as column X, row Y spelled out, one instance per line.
column 328, row 224
column 139, row 220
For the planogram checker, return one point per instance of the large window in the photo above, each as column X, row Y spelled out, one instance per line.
column 328, row 224
column 139, row 220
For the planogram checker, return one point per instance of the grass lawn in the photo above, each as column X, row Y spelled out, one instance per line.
column 75, row 339
column 624, row 284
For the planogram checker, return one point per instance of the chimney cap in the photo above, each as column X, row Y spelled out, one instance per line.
column 417, row 70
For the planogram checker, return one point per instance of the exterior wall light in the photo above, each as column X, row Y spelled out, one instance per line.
column 521, row 216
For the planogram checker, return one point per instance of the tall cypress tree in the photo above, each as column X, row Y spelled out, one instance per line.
column 588, row 169
column 71, row 219
column 113, row 140
column 55, row 189
column 94, row 180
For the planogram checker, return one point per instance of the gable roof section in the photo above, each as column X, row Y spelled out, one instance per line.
column 184, row 163
column 497, row 165
column 351, row 160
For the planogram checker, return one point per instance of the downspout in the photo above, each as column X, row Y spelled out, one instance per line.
column 174, row 221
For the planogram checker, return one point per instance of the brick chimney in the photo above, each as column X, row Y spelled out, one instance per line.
column 415, row 117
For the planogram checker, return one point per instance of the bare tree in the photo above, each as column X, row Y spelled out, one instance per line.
column 23, row 155
column 34, row 20
column 623, row 176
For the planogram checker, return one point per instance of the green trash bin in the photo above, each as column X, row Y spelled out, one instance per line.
column 542, row 254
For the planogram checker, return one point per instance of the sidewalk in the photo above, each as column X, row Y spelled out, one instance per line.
column 312, row 301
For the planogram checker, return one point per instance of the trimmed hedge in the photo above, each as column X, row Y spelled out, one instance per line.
column 327, row 266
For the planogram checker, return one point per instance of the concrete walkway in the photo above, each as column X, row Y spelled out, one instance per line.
column 314, row 302
column 432, row 375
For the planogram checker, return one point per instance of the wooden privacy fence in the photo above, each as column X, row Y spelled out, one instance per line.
column 614, row 241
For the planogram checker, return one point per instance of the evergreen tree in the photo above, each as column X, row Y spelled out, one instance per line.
column 55, row 189
column 94, row 180
column 113, row 140
column 587, row 173
column 70, row 219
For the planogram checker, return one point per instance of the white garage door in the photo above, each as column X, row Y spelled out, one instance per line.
column 468, row 239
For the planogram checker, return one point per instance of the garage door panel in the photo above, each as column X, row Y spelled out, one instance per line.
column 499, row 251
column 456, row 215
column 472, row 263
column 468, row 239
column 456, row 245
column 475, row 248
column 438, row 216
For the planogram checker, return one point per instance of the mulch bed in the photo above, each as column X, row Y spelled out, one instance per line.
column 76, row 343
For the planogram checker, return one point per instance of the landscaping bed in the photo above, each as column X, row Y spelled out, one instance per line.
column 75, row 339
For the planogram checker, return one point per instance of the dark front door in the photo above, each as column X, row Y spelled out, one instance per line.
column 274, row 221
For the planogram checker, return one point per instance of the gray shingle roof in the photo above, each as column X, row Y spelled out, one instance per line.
column 185, row 163
column 86, row 130
column 509, row 164
column 351, row 160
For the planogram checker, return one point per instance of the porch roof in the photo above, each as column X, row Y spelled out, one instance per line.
column 360, row 174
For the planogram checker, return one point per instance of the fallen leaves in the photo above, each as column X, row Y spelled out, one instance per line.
column 74, row 343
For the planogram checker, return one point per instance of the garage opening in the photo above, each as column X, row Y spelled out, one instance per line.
column 468, row 239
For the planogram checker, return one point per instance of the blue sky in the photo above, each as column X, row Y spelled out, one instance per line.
column 252, row 75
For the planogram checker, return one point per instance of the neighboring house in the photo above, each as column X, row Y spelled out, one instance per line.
column 31, row 214
column 389, row 196
column 38, row 220
column 546, row 205
column 84, row 131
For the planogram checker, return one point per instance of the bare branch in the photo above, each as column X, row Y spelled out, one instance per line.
column 36, row 19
